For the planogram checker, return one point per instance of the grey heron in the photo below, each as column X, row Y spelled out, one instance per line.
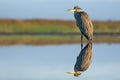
column 83, row 60
column 84, row 23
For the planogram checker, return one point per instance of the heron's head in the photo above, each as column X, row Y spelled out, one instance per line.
column 76, row 74
column 75, row 9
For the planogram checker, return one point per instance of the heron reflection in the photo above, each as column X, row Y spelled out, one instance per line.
column 83, row 60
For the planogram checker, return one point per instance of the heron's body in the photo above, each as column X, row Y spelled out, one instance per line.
column 84, row 23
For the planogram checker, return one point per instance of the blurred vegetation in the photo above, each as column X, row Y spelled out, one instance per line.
column 13, row 26
column 52, row 26
column 63, row 26
column 107, row 26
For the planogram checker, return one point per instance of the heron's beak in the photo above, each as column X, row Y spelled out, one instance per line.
column 71, row 72
column 78, row 72
column 71, row 10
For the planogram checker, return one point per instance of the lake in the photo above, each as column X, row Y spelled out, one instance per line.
column 51, row 62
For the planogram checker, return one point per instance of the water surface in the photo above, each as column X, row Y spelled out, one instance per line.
column 51, row 62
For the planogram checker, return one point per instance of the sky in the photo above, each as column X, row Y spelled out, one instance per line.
column 56, row 9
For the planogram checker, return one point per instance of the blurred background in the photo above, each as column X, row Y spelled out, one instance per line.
column 39, row 39
column 25, row 9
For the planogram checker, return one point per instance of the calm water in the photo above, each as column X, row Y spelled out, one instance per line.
column 53, row 61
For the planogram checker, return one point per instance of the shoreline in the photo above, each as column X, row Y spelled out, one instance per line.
column 53, row 39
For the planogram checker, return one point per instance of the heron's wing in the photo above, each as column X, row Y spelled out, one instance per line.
column 86, row 23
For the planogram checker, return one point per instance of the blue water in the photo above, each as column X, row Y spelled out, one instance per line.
column 51, row 62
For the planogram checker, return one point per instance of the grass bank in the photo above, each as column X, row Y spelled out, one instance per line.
column 63, row 26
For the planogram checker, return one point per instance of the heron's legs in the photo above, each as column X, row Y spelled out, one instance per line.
column 81, row 41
